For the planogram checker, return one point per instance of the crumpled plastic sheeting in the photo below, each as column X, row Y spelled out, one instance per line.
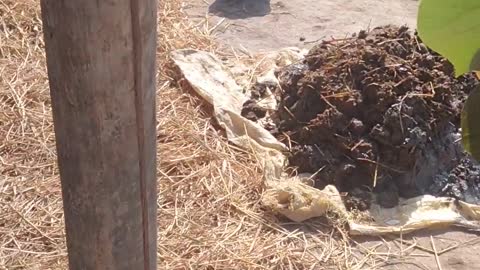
column 419, row 213
column 274, row 60
column 209, row 78
column 292, row 196
column 300, row 202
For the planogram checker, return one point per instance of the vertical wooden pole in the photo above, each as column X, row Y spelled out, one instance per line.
column 101, row 68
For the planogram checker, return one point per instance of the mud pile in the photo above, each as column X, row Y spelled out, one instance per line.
column 376, row 112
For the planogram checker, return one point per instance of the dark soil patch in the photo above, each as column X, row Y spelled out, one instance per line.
column 379, row 108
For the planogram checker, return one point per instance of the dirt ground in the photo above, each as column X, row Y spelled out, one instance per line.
column 259, row 25
column 455, row 249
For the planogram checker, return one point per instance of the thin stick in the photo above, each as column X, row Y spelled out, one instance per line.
column 357, row 145
column 437, row 259
column 401, row 243
column 31, row 224
column 376, row 173
column 380, row 164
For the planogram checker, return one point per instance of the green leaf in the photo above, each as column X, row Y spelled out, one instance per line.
column 471, row 125
column 452, row 28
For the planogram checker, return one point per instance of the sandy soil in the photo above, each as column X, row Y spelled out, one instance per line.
column 263, row 25
column 456, row 250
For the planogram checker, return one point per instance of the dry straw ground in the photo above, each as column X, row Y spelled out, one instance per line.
column 209, row 211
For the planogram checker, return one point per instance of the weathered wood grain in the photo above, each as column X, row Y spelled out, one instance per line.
column 101, row 68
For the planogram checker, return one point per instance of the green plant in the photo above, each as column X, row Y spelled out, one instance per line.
column 452, row 28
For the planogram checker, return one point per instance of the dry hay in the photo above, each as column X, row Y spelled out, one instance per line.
column 209, row 211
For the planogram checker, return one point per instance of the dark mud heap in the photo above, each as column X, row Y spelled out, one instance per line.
column 379, row 112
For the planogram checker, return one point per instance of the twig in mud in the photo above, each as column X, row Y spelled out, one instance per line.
column 403, row 99
column 338, row 95
column 420, row 95
column 376, row 173
column 329, row 104
column 389, row 40
column 400, row 82
column 319, row 150
column 416, row 42
column 433, row 89
column 291, row 114
column 334, row 40
column 380, row 164
column 400, row 114
column 317, row 172
column 356, row 145
column 370, row 72
column 288, row 139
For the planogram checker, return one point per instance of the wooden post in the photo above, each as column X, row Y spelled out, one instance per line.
column 101, row 68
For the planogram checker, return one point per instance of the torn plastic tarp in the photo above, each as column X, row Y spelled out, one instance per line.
column 292, row 197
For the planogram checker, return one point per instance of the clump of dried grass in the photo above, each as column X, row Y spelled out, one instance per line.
column 209, row 211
